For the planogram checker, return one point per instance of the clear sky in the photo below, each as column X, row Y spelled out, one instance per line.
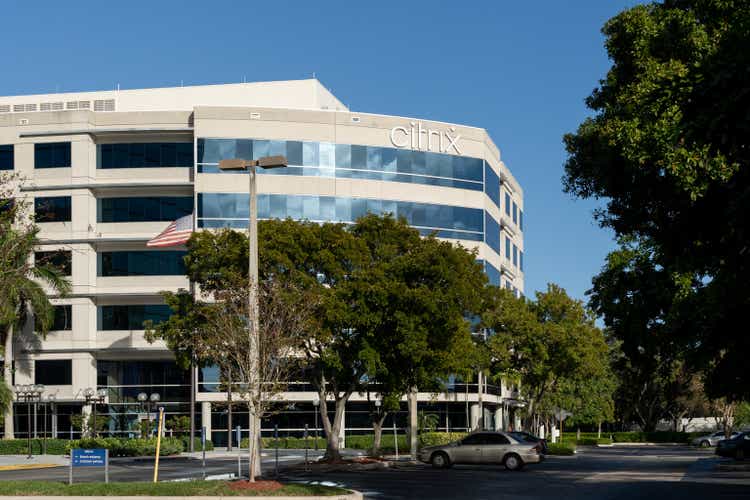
column 519, row 69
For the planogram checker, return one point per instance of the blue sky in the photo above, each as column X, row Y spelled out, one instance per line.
column 519, row 69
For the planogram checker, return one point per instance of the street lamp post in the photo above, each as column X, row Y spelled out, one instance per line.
column 94, row 397
column 267, row 162
column 316, row 404
column 29, row 394
column 148, row 402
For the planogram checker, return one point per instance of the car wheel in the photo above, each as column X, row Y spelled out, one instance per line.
column 513, row 462
column 705, row 444
column 440, row 460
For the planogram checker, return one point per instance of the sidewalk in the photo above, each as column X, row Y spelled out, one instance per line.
column 19, row 462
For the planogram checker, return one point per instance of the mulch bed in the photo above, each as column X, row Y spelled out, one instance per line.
column 256, row 486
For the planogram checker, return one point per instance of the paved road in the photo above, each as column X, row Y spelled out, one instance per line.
column 659, row 472
column 662, row 473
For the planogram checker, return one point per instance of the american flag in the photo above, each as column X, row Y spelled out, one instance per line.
column 177, row 233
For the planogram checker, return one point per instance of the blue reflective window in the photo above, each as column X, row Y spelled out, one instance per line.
column 493, row 273
column 231, row 210
column 507, row 248
column 520, row 219
column 520, row 260
column 515, row 213
column 52, row 155
column 492, row 184
column 507, row 204
column 52, row 209
column 515, row 255
column 491, row 232
column 144, row 155
column 141, row 263
column 348, row 161
column 143, row 209
column 131, row 317
column 6, row 157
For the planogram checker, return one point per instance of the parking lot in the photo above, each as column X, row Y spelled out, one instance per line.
column 661, row 472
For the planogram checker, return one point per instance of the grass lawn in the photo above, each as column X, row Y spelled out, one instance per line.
column 187, row 488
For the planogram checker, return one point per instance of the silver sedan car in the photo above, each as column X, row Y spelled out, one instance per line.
column 712, row 439
column 484, row 448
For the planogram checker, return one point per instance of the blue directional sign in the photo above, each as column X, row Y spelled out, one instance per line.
column 96, row 457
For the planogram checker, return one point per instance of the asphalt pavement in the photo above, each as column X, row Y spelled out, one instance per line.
column 659, row 472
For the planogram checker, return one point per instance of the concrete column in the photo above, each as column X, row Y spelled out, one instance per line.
column 413, row 424
column 541, row 431
column 53, row 418
column 499, row 418
column 554, row 434
column 206, row 417
column 474, row 416
column 517, row 423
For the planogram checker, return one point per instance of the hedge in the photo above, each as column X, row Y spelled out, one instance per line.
column 637, row 436
column 21, row 446
column 130, row 447
column 589, row 441
column 185, row 440
column 440, row 438
column 561, row 448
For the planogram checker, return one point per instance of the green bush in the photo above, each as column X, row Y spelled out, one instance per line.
column 651, row 437
column 592, row 441
column 130, row 447
column 21, row 446
column 563, row 448
column 185, row 440
column 439, row 438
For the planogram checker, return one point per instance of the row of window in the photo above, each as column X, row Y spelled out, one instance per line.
column 118, row 317
column 513, row 254
column 46, row 155
column 141, row 263
column 512, row 210
column 145, row 155
column 143, row 209
column 324, row 159
column 63, row 318
column 231, row 210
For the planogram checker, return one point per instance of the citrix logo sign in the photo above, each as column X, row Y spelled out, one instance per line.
column 403, row 137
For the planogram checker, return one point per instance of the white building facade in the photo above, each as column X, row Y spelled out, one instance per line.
column 107, row 171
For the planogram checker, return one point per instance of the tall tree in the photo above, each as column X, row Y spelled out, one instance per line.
column 667, row 149
column 22, row 281
column 410, row 302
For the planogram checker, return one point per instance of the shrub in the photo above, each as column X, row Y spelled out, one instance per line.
column 439, row 438
column 589, row 441
column 185, row 440
column 561, row 448
column 21, row 446
column 130, row 447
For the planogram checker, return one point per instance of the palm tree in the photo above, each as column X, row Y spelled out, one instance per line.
column 22, row 289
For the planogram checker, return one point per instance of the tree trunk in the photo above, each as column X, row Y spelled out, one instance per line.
column 253, row 449
column 229, row 413
column 377, row 430
column 413, row 423
column 333, row 429
column 9, row 431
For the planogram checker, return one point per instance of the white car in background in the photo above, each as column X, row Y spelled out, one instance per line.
column 711, row 439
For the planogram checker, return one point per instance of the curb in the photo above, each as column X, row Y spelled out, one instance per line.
column 353, row 495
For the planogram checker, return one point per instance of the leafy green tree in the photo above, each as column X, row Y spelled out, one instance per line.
column 667, row 149
column 552, row 346
column 409, row 302
column 22, row 281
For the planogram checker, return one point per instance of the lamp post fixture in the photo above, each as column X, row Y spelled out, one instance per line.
column 267, row 162
column 29, row 394
column 51, row 398
column 316, row 404
column 149, row 402
column 94, row 397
